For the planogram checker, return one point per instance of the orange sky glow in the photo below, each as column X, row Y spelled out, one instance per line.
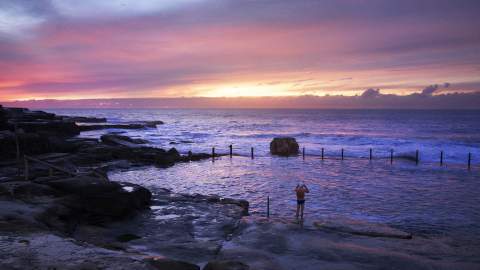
column 204, row 48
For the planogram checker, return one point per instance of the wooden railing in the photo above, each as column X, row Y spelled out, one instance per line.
column 51, row 168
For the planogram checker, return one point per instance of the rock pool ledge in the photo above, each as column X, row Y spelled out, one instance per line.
column 278, row 243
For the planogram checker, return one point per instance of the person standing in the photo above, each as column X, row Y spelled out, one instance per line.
column 300, row 190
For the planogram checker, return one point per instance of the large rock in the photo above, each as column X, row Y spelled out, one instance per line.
column 284, row 146
column 96, row 198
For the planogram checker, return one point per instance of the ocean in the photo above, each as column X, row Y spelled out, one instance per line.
column 424, row 199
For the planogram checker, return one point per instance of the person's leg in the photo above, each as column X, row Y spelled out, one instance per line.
column 301, row 210
column 298, row 209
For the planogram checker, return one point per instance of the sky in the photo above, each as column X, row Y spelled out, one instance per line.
column 131, row 49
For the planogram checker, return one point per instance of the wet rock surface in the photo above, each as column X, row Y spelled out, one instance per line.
column 115, row 139
column 288, row 244
column 180, row 226
column 226, row 265
column 45, row 250
column 357, row 227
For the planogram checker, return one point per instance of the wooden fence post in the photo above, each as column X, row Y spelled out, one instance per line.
column 441, row 158
column 391, row 156
column 251, row 152
column 416, row 157
column 26, row 170
column 322, row 153
column 342, row 153
column 231, row 150
column 268, row 206
column 213, row 154
column 370, row 157
column 469, row 160
column 303, row 153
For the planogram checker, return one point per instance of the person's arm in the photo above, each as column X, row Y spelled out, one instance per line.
column 306, row 189
column 296, row 189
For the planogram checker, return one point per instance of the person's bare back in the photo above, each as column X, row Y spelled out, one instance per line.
column 300, row 190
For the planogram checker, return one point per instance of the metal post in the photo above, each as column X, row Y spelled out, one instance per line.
column 469, row 160
column 370, row 154
column 17, row 143
column 441, row 158
column 416, row 157
column 342, row 153
column 213, row 154
column 391, row 156
column 303, row 152
column 231, row 150
column 322, row 153
column 25, row 172
column 268, row 206
column 251, row 152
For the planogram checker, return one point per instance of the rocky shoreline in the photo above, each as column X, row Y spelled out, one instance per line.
column 68, row 215
column 76, row 207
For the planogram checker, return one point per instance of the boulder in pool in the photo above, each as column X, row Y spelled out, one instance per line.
column 284, row 146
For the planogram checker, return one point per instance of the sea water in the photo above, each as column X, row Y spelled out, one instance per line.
column 424, row 199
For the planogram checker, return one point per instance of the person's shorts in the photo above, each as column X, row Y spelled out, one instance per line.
column 300, row 202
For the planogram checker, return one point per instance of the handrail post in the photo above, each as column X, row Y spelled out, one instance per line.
column 469, row 160
column 268, row 206
column 17, row 144
column 26, row 170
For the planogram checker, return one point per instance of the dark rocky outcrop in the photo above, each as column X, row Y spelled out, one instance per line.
column 56, row 127
column 169, row 264
column 25, row 115
column 226, row 265
column 106, row 126
column 89, row 208
column 139, row 125
column 115, row 139
column 284, row 146
column 3, row 119
column 153, row 124
column 83, row 119
column 63, row 204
